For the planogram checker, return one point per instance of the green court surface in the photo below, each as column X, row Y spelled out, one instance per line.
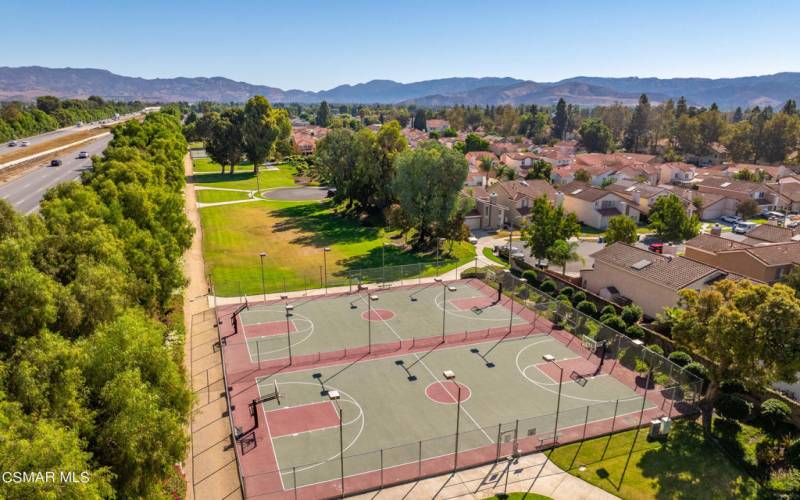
column 404, row 406
column 329, row 324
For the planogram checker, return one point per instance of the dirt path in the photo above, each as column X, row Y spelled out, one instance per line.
column 211, row 469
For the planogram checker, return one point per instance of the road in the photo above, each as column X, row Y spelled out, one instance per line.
column 25, row 192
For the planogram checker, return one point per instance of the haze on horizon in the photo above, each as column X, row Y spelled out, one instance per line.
column 315, row 45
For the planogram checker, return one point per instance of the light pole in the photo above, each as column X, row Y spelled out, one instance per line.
column 511, row 313
column 383, row 263
column 551, row 359
column 289, row 309
column 510, row 234
column 450, row 375
column 444, row 302
column 334, row 396
column 325, row 264
column 263, row 288
column 369, row 321
column 438, row 244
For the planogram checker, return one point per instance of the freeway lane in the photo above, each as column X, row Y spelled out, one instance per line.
column 24, row 193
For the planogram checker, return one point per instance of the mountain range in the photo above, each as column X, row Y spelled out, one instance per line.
column 25, row 83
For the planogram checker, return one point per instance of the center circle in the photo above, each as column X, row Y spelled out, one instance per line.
column 446, row 392
column 377, row 314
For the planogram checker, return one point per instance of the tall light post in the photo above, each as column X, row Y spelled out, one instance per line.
column 551, row 359
column 289, row 309
column 372, row 298
column 438, row 244
column 450, row 375
column 511, row 313
column 325, row 264
column 263, row 288
column 510, row 234
column 446, row 288
column 383, row 263
column 335, row 396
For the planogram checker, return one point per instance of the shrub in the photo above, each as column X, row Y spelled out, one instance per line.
column 775, row 411
column 631, row 314
column 641, row 366
column 697, row 369
column 733, row 406
column 548, row 286
column 615, row 322
column 732, row 386
column 656, row 348
column 793, row 453
column 567, row 291
column 578, row 296
column 563, row 298
column 680, row 358
column 587, row 308
column 530, row 276
column 635, row 332
column 607, row 310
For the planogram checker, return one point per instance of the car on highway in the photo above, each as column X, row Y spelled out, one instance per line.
column 24, row 144
column 12, row 144
column 83, row 154
column 56, row 163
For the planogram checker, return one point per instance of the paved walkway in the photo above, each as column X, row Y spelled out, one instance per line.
column 531, row 473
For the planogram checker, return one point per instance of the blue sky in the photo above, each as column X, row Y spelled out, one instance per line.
column 314, row 45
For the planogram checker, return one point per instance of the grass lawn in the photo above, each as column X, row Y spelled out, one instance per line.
column 207, row 165
column 267, row 179
column 216, row 196
column 487, row 252
column 685, row 466
column 293, row 234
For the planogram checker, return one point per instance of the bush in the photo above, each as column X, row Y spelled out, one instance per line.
column 732, row 386
column 680, row 358
column 567, row 291
column 656, row 348
column 631, row 314
column 563, row 298
column 608, row 310
column 775, row 411
column 635, row 332
column 578, row 296
column 793, row 453
column 733, row 406
column 587, row 308
column 548, row 286
column 697, row 369
column 530, row 276
column 615, row 322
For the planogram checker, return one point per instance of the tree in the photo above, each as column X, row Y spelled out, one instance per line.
column 225, row 145
column 474, row 142
column 748, row 208
column 560, row 120
column 427, row 184
column 737, row 115
column 562, row 252
column 336, row 163
column 596, row 136
column 749, row 332
column 637, row 133
column 792, row 280
column 323, row 117
column 621, row 228
column 486, row 164
column 48, row 104
column 681, row 108
column 670, row 222
column 582, row 175
column 687, row 135
column 262, row 126
column 540, row 169
column 419, row 120
column 738, row 140
column 547, row 225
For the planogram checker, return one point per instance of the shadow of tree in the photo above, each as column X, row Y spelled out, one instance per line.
column 680, row 474
column 318, row 226
column 394, row 256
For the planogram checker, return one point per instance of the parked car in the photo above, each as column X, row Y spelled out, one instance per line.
column 793, row 224
column 656, row 247
column 744, row 227
column 12, row 144
column 472, row 239
column 83, row 154
column 731, row 219
column 56, row 163
column 24, row 144
column 775, row 216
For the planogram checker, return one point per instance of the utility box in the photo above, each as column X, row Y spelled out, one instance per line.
column 666, row 425
column 655, row 428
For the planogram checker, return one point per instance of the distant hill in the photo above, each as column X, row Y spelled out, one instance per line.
column 25, row 83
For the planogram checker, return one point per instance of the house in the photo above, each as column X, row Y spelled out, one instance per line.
column 642, row 172
column 511, row 201
column 594, row 206
column 675, row 172
column 414, row 136
column 304, row 139
column 767, row 262
column 487, row 214
column 716, row 155
column 517, row 160
column 613, row 159
column 770, row 172
column 435, row 125
column 474, row 157
column 712, row 206
column 766, row 197
column 790, row 188
column 640, row 194
column 623, row 273
column 504, row 146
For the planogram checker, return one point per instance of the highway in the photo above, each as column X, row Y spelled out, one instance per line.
column 25, row 192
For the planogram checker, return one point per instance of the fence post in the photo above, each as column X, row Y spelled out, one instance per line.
column 258, row 352
column 585, row 423
column 294, row 481
column 381, row 468
column 419, row 462
column 240, row 291
column 499, row 431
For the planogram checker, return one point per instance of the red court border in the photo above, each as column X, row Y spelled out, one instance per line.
column 309, row 417
column 269, row 329
column 259, row 467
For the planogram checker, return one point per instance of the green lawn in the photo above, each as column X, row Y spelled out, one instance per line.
column 207, row 165
column 685, row 466
column 487, row 252
column 267, row 179
column 217, row 196
column 293, row 234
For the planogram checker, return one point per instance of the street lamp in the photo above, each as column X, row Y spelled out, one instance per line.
column 263, row 288
column 325, row 263
column 335, row 396
column 447, row 288
column 372, row 298
column 450, row 375
column 289, row 309
column 549, row 358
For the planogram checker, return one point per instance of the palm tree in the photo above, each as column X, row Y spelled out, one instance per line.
column 511, row 174
column 563, row 252
column 486, row 164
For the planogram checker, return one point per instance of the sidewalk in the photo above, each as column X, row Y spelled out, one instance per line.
column 531, row 473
